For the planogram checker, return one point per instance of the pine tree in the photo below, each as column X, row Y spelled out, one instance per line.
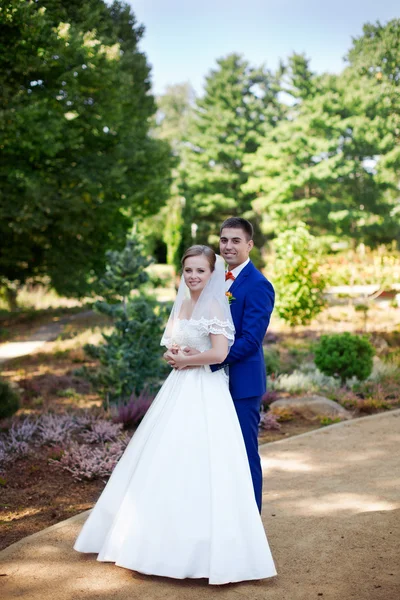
column 130, row 358
column 318, row 164
column 239, row 104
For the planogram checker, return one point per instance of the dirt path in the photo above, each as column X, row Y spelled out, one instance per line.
column 37, row 339
column 331, row 511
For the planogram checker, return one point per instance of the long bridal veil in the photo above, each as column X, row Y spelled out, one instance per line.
column 211, row 310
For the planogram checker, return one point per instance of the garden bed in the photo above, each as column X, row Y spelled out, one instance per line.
column 35, row 493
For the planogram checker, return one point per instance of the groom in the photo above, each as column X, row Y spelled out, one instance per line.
column 251, row 302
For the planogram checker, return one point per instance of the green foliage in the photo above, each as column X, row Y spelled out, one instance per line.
column 9, row 400
column 77, row 161
column 239, row 103
column 175, row 108
column 329, row 157
column 125, row 271
column 298, row 283
column 130, row 358
column 299, row 382
column 374, row 59
column 376, row 53
column 173, row 231
column 333, row 161
column 364, row 266
column 344, row 355
column 272, row 360
column 324, row 420
column 173, row 223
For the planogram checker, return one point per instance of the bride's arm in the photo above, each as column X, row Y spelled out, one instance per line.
column 217, row 354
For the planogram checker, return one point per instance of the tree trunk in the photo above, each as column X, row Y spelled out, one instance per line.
column 11, row 297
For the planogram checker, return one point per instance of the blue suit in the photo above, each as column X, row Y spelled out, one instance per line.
column 251, row 308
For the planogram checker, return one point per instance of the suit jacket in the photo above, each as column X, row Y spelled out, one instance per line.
column 251, row 312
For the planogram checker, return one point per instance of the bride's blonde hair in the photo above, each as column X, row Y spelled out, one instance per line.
column 199, row 250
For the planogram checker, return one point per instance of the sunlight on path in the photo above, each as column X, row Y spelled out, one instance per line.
column 38, row 338
column 16, row 349
column 331, row 507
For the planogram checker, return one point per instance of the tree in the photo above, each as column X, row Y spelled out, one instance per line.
column 375, row 57
column 77, row 161
column 376, row 53
column 175, row 109
column 239, row 103
column 297, row 79
column 298, row 282
column 130, row 358
column 317, row 165
column 173, row 225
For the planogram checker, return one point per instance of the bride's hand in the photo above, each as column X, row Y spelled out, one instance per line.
column 174, row 352
column 176, row 360
column 170, row 354
column 180, row 361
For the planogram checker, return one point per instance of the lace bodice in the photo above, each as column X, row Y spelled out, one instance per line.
column 192, row 334
column 195, row 333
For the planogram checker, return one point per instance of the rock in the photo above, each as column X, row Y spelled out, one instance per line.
column 270, row 338
column 311, row 406
column 380, row 344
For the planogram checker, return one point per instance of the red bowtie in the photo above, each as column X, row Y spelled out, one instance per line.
column 229, row 275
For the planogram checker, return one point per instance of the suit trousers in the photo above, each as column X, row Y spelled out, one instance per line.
column 248, row 412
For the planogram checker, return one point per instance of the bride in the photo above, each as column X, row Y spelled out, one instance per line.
column 180, row 502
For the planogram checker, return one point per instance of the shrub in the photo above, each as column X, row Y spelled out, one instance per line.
column 347, row 398
column 9, row 400
column 55, row 429
column 101, row 432
column 297, row 277
column 87, row 462
column 344, row 355
column 385, row 372
column 23, row 430
column 299, row 382
column 283, row 413
column 130, row 413
column 272, row 360
column 325, row 420
column 269, row 421
column 371, row 405
column 55, row 453
column 269, row 397
column 85, row 445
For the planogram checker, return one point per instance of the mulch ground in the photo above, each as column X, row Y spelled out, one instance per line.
column 35, row 494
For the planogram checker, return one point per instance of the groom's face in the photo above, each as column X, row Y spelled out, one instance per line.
column 234, row 246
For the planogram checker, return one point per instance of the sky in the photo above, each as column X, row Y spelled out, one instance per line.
column 183, row 38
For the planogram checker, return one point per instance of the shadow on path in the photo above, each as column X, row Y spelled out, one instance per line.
column 331, row 512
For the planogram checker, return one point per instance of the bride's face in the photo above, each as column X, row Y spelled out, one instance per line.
column 196, row 272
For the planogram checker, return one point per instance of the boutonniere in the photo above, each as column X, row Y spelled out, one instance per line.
column 230, row 297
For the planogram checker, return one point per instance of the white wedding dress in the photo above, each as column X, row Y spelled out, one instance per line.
column 180, row 502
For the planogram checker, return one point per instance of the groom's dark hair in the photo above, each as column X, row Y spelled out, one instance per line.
column 238, row 223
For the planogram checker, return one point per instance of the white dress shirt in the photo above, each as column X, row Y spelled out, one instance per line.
column 235, row 272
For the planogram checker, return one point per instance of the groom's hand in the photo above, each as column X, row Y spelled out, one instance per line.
column 190, row 351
